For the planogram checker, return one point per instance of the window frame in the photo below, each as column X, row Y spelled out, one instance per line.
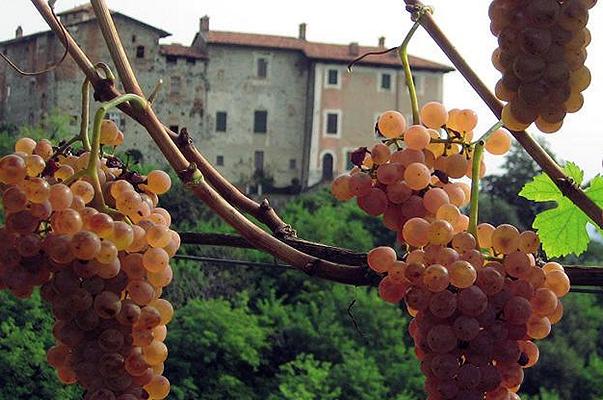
column 329, row 85
column 140, row 52
column 255, row 158
column 380, row 82
column 256, row 57
column 255, row 115
column 261, row 68
column 325, row 124
column 218, row 125
column 321, row 157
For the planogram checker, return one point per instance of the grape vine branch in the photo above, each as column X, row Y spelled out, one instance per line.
column 330, row 263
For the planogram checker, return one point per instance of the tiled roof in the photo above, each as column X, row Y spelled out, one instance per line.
column 320, row 51
column 82, row 7
column 87, row 7
column 179, row 50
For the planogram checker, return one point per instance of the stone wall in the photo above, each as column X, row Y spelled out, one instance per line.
column 236, row 89
column 32, row 98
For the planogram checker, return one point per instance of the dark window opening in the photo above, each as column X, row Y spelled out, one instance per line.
column 220, row 160
column 191, row 61
column 174, row 128
column 258, row 161
column 327, row 167
column 221, row 118
column 333, row 77
column 260, row 122
column 332, row 120
column 171, row 59
column 133, row 38
column 386, row 81
column 262, row 68
column 292, row 163
column 139, row 51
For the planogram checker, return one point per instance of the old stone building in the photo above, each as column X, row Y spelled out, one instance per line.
column 270, row 112
column 28, row 100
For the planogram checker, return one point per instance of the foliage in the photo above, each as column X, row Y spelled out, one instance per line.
column 25, row 334
column 54, row 127
column 305, row 379
column 562, row 229
column 216, row 349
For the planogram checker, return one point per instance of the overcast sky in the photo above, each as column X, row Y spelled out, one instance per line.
column 343, row 21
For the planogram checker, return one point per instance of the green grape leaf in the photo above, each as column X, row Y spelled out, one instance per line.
column 573, row 171
column 542, row 188
column 562, row 229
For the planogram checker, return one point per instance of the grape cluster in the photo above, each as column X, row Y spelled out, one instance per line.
column 541, row 54
column 101, row 260
column 416, row 178
column 476, row 313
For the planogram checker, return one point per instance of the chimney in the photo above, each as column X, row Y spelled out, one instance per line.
column 204, row 25
column 19, row 32
column 302, row 31
column 200, row 41
column 353, row 48
column 382, row 42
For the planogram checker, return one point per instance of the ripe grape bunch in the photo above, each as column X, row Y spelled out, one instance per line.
column 89, row 233
column 541, row 55
column 478, row 301
column 416, row 178
column 476, row 314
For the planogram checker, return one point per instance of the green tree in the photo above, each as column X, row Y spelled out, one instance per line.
column 305, row 379
column 216, row 350
column 25, row 335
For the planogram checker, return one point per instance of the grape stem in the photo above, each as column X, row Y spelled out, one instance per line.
column 489, row 132
column 83, row 136
column 473, row 213
column 478, row 150
column 92, row 168
column 449, row 141
column 85, row 115
column 403, row 51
